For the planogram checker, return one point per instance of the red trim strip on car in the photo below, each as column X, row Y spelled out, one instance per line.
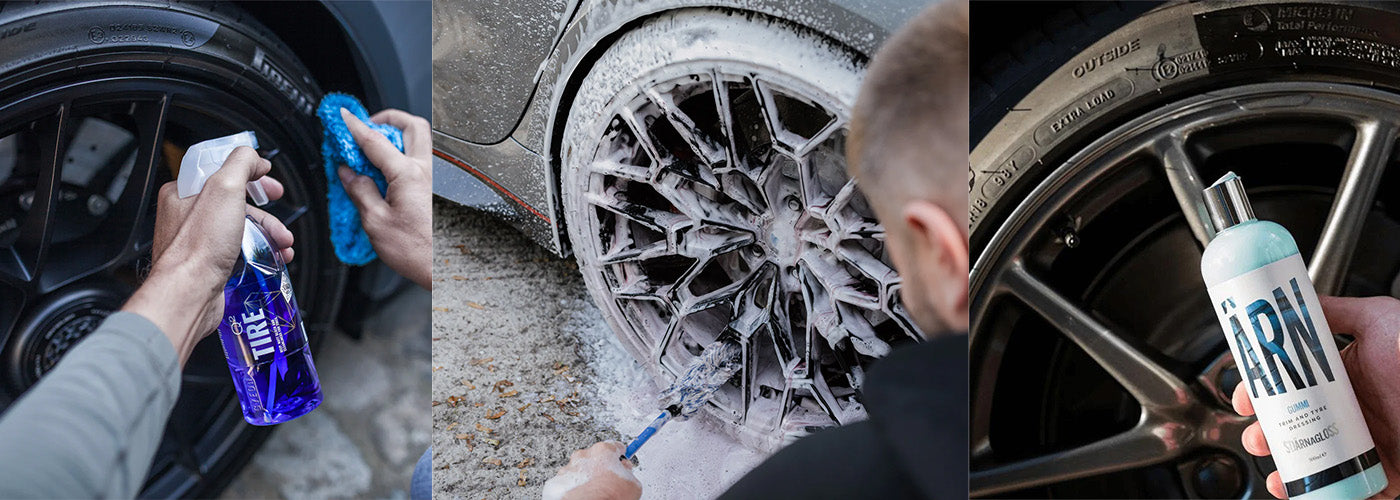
column 484, row 178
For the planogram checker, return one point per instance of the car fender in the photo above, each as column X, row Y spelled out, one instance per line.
column 384, row 57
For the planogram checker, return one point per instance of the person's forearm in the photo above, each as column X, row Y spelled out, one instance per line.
column 168, row 300
column 90, row 427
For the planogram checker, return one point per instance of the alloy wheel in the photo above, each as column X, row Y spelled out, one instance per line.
column 720, row 202
column 80, row 165
column 1095, row 351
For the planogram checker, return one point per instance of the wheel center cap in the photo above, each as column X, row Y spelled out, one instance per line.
column 53, row 326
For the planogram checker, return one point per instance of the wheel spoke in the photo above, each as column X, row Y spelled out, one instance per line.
column 726, row 119
column 1135, row 448
column 748, row 376
column 703, row 147
column 1153, row 385
column 861, row 332
column 12, row 302
column 785, row 140
column 1186, row 185
column 708, row 240
column 870, row 266
column 697, row 207
column 640, row 288
column 818, row 138
column 31, row 247
column 657, row 220
column 673, row 328
column 821, row 393
column 617, row 169
column 841, row 284
column 625, row 252
column 750, row 315
column 138, row 196
column 642, row 137
column 1365, row 166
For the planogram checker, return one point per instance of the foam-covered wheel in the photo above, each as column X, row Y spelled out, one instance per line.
column 705, row 185
column 97, row 103
column 1097, row 366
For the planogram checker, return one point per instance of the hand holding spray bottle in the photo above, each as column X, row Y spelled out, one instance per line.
column 1285, row 353
column 261, row 331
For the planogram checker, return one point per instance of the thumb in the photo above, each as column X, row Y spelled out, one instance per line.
column 362, row 192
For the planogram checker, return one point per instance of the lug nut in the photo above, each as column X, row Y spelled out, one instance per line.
column 793, row 203
column 98, row 205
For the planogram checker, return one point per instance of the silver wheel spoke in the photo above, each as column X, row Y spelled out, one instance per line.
column 702, row 146
column 643, row 138
column 780, row 134
column 1153, row 385
column 1135, row 448
column 822, row 135
column 1365, row 166
column 622, row 170
column 1186, row 185
column 726, row 118
column 656, row 220
column 707, row 240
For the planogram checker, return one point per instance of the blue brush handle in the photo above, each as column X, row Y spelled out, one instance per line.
column 642, row 438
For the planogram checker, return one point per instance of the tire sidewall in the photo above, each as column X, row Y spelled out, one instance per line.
column 658, row 50
column 1166, row 55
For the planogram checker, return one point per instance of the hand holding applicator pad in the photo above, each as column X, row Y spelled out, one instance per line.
column 338, row 147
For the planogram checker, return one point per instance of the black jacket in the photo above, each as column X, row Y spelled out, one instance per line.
column 914, row 445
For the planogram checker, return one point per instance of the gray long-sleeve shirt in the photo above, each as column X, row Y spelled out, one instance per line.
column 90, row 427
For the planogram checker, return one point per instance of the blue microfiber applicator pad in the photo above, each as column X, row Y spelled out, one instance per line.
column 338, row 148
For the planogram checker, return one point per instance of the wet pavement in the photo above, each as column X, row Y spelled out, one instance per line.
column 525, row 370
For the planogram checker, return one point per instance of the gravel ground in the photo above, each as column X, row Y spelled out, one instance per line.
column 365, row 438
column 525, row 371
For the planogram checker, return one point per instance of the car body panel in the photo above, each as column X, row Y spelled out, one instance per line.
column 389, row 60
column 475, row 183
column 528, row 168
column 486, row 58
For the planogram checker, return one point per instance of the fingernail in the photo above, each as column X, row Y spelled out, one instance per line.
column 345, row 174
column 345, row 114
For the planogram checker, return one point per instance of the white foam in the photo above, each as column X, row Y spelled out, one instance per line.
column 690, row 459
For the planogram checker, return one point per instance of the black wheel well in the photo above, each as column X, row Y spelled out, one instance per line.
column 320, row 41
column 585, row 64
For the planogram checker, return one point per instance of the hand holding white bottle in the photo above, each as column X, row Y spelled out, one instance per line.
column 1372, row 362
column 1286, row 355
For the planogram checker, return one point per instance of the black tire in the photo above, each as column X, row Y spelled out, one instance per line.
column 1050, row 113
column 220, row 71
column 1158, row 68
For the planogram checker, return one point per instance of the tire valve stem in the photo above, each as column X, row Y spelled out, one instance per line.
column 1068, row 236
column 695, row 387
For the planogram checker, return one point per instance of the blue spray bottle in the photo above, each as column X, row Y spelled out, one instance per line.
column 262, row 334
column 1285, row 353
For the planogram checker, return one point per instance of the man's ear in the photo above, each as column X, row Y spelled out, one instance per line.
column 941, row 246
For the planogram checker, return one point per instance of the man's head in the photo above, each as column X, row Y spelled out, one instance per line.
column 908, row 150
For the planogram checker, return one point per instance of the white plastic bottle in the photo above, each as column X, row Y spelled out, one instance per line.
column 1284, row 350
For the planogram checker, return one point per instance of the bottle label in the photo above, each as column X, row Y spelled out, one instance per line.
column 264, row 325
column 1291, row 368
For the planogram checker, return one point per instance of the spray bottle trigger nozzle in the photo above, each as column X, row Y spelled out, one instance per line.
column 203, row 159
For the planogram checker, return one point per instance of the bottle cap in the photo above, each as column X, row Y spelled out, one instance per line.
column 1227, row 202
column 203, row 159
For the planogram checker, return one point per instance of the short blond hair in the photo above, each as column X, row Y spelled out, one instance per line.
column 909, row 127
